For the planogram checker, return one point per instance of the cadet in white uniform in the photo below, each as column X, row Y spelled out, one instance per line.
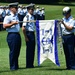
column 28, row 31
column 25, row 11
column 7, row 10
column 13, row 38
column 67, row 27
column 20, row 14
column 43, row 13
column 37, row 13
column 40, row 14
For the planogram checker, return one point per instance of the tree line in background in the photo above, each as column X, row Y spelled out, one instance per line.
column 37, row 1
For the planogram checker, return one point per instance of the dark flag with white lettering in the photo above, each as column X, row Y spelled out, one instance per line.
column 46, row 31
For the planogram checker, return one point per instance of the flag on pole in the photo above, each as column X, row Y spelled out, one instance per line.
column 46, row 31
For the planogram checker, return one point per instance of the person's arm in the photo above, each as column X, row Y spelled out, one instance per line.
column 24, row 29
column 67, row 27
column 8, row 23
column 24, row 32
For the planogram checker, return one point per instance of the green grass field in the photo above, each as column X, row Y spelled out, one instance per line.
column 47, row 68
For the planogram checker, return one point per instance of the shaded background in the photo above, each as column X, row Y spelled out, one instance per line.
column 37, row 1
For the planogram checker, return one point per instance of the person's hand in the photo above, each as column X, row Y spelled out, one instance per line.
column 62, row 21
column 14, row 23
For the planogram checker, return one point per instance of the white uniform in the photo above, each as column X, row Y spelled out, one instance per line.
column 69, row 22
column 12, row 18
column 4, row 13
column 20, row 11
column 37, row 11
column 7, row 11
column 43, row 12
column 25, row 11
column 30, row 26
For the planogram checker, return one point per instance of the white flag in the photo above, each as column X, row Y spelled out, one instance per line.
column 47, row 41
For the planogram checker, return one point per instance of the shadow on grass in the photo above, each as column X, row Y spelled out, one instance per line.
column 50, row 68
column 5, row 71
column 42, row 68
column 55, row 69
column 21, row 68
column 30, row 68
column 46, row 68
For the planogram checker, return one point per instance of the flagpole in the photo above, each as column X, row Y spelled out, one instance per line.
column 28, row 21
column 22, row 21
column 60, row 37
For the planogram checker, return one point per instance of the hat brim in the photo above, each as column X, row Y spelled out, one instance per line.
column 13, row 6
column 30, row 8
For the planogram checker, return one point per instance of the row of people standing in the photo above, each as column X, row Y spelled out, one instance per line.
column 3, row 12
column 11, row 23
column 39, row 13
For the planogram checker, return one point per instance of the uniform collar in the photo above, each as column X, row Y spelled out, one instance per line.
column 29, row 14
column 68, row 18
column 12, row 14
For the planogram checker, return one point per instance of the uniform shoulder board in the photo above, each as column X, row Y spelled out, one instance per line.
column 8, row 14
column 27, row 16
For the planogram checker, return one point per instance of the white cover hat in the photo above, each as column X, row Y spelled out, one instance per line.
column 66, row 9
